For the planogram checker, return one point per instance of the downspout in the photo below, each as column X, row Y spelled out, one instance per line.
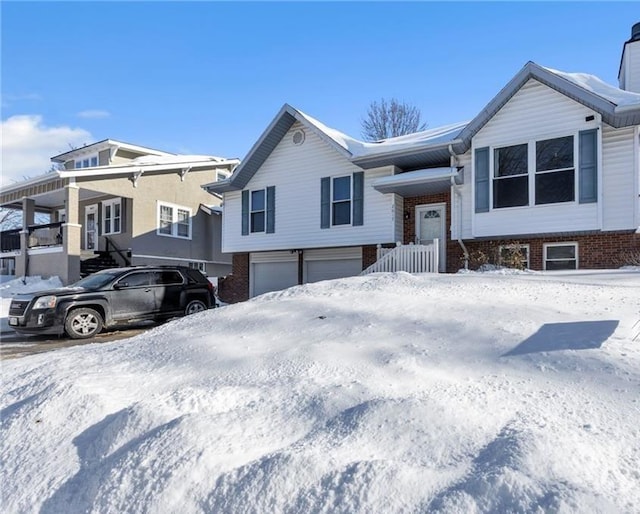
column 456, row 190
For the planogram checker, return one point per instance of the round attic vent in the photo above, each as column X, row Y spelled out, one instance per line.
column 298, row 137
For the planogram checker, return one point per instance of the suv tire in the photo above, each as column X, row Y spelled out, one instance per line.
column 195, row 306
column 83, row 323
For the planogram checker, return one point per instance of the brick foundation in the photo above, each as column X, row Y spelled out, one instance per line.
column 595, row 251
column 235, row 287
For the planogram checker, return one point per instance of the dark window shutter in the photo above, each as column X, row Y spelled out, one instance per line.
column 588, row 166
column 358, row 198
column 245, row 213
column 271, row 209
column 482, row 179
column 325, row 202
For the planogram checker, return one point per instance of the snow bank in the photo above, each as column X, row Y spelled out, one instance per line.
column 386, row 393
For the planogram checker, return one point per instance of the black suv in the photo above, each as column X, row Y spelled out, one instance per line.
column 112, row 297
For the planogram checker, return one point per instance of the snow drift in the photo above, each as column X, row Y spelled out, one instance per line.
column 386, row 393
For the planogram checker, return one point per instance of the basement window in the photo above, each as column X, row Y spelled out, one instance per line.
column 560, row 256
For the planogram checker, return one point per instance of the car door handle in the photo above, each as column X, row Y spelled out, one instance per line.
column 147, row 290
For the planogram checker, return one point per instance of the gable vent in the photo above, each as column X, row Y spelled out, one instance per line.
column 298, row 137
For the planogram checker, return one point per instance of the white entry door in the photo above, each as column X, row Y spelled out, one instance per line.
column 90, row 227
column 430, row 225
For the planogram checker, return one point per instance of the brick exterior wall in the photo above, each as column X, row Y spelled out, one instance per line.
column 409, row 235
column 595, row 251
column 235, row 287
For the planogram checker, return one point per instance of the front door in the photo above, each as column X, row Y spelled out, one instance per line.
column 90, row 227
column 133, row 297
column 430, row 225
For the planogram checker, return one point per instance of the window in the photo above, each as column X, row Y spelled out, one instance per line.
column 111, row 216
column 165, row 278
column 555, row 172
column 510, row 177
column 200, row 266
column 515, row 256
column 137, row 279
column 86, row 162
column 559, row 256
column 174, row 221
column 341, row 201
column 258, row 208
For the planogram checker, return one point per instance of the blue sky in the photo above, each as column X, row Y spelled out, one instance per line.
column 207, row 77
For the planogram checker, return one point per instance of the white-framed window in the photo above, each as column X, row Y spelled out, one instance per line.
column 200, row 266
column 112, row 216
column 257, row 211
column 515, row 256
column 341, row 189
column 560, row 256
column 174, row 221
column 90, row 161
column 537, row 172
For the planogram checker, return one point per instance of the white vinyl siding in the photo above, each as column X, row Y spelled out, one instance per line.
column 631, row 67
column 296, row 171
column 534, row 113
column 619, row 188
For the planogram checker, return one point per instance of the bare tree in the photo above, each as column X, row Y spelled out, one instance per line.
column 391, row 118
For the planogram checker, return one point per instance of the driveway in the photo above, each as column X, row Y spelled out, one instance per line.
column 14, row 345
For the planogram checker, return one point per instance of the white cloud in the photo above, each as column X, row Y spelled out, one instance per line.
column 93, row 114
column 28, row 145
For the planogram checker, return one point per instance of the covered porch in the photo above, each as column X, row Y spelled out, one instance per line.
column 45, row 249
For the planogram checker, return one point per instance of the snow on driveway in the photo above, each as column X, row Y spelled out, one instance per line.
column 387, row 393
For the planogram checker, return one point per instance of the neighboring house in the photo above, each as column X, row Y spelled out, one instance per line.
column 551, row 164
column 114, row 204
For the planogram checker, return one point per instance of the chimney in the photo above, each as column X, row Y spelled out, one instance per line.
column 629, row 72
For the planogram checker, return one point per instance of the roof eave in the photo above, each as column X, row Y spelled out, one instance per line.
column 389, row 158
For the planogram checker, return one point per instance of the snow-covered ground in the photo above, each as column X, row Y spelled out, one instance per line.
column 386, row 393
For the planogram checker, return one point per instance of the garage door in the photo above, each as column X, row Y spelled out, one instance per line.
column 331, row 263
column 273, row 271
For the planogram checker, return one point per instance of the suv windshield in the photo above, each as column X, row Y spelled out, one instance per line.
column 95, row 281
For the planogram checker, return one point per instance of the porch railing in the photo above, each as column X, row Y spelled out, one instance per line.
column 410, row 258
column 49, row 234
column 10, row 240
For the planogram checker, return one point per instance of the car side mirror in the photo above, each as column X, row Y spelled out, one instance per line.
column 120, row 285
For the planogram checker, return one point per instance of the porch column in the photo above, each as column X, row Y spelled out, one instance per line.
column 71, row 234
column 28, row 218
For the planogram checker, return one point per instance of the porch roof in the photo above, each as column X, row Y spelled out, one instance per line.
column 419, row 182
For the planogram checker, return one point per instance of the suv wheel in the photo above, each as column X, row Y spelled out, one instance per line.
column 83, row 323
column 195, row 306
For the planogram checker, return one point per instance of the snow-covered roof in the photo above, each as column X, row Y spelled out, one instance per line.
column 363, row 149
column 174, row 159
column 619, row 97
column 104, row 144
column 431, row 147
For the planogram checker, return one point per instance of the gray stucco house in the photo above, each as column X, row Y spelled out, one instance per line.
column 115, row 203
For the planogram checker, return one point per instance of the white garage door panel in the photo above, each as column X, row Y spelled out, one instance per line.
column 273, row 276
column 330, row 269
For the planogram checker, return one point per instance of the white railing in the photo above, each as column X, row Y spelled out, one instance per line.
column 410, row 258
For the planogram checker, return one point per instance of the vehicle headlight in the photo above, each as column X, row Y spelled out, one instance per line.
column 45, row 302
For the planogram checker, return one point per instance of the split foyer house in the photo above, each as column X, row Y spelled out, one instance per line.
column 551, row 164
column 114, row 204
